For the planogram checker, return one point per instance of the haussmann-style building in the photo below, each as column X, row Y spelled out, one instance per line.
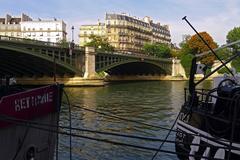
column 25, row 27
column 126, row 33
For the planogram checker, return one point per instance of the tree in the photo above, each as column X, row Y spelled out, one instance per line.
column 158, row 50
column 186, row 61
column 234, row 35
column 99, row 43
column 198, row 46
column 185, row 49
column 63, row 43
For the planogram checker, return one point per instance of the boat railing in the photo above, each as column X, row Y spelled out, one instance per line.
column 206, row 97
column 201, row 94
column 209, row 102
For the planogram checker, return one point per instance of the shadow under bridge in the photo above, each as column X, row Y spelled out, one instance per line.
column 20, row 58
column 115, row 64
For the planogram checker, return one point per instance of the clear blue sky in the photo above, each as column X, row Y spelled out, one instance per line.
column 216, row 17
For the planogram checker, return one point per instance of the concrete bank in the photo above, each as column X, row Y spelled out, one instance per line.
column 144, row 78
column 70, row 82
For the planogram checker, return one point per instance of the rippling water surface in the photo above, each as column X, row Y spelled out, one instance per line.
column 156, row 103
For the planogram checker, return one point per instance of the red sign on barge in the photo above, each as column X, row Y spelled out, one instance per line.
column 40, row 105
column 32, row 103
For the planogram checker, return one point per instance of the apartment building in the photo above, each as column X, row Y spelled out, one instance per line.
column 11, row 26
column 44, row 30
column 87, row 30
column 26, row 27
column 129, row 34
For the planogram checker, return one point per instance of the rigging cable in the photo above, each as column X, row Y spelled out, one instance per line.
column 70, row 123
column 185, row 18
column 120, row 118
column 101, row 132
column 160, row 147
column 21, row 144
column 142, row 123
column 57, row 128
column 106, row 141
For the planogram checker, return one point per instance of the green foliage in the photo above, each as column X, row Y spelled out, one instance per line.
column 63, row 43
column 99, row 43
column 185, row 49
column 186, row 56
column 186, row 61
column 223, row 70
column 158, row 50
column 236, row 64
column 175, row 53
column 234, row 35
column 102, row 74
column 224, row 53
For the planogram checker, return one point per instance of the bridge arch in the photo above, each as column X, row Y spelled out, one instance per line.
column 114, row 65
column 18, row 61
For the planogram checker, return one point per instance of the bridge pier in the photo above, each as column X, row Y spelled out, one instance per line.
column 90, row 72
column 177, row 69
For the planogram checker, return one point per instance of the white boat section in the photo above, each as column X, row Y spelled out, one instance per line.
column 206, row 137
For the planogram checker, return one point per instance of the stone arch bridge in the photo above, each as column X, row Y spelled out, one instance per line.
column 30, row 58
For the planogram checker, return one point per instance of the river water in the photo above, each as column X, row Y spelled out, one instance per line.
column 156, row 103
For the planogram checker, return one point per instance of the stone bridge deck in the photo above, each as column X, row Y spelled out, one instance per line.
column 30, row 58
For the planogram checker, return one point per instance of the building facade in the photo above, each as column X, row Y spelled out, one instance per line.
column 87, row 30
column 129, row 34
column 44, row 30
column 26, row 27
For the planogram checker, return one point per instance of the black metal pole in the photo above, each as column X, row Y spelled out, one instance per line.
column 54, row 68
column 72, row 34
column 185, row 18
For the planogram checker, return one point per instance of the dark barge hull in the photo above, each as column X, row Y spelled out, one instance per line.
column 203, row 131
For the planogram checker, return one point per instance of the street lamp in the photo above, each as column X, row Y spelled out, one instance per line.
column 71, row 44
column 72, row 34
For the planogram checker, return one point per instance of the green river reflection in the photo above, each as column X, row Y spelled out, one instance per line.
column 156, row 103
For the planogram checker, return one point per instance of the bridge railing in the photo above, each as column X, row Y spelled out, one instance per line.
column 137, row 55
column 36, row 42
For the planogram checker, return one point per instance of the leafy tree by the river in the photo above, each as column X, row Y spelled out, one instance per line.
column 100, row 43
column 232, row 36
column 158, row 50
column 198, row 46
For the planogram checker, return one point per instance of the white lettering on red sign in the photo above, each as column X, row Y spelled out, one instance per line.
column 33, row 101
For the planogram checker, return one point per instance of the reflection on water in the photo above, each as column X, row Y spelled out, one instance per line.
column 150, row 102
